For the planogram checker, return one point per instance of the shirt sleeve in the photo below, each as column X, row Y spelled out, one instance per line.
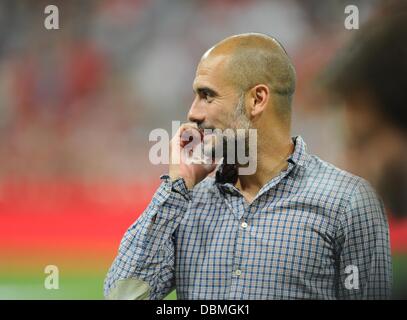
column 144, row 266
column 364, row 257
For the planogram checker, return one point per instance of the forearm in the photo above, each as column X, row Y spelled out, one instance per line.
column 146, row 252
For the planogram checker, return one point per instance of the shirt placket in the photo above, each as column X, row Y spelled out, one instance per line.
column 239, row 208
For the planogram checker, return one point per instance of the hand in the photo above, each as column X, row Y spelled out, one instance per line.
column 181, row 150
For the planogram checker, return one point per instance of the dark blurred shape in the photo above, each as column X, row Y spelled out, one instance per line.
column 376, row 61
column 369, row 74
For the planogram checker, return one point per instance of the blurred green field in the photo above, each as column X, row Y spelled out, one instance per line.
column 80, row 284
column 73, row 285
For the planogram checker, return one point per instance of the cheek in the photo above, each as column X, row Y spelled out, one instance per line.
column 219, row 116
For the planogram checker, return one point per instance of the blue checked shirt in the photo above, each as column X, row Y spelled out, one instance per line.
column 312, row 232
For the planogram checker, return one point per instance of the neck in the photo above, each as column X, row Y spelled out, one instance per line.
column 272, row 153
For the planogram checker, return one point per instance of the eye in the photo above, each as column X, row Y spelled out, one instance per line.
column 206, row 96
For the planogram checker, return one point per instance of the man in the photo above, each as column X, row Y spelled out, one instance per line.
column 297, row 228
column 370, row 76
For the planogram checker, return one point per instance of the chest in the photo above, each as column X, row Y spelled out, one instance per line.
column 291, row 229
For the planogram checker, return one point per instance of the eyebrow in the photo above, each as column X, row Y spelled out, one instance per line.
column 206, row 90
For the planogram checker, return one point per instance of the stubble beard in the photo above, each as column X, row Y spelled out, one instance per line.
column 238, row 120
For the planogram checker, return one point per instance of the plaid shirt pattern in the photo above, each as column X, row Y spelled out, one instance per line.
column 312, row 232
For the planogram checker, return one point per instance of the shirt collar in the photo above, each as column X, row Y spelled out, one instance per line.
column 228, row 173
column 300, row 155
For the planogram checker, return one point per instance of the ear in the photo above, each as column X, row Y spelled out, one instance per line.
column 259, row 97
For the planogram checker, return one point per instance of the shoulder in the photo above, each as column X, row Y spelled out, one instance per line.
column 328, row 178
column 355, row 194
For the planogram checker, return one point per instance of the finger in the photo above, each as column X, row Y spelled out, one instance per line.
column 190, row 137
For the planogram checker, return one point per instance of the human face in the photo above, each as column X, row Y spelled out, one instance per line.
column 376, row 151
column 215, row 98
column 217, row 105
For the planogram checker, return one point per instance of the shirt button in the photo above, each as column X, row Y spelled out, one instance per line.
column 244, row 225
column 238, row 272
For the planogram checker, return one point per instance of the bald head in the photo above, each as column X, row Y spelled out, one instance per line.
column 252, row 59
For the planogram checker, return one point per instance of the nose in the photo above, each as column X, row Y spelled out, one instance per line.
column 196, row 112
